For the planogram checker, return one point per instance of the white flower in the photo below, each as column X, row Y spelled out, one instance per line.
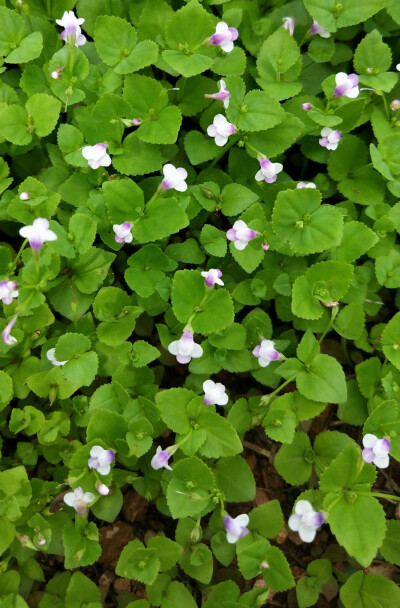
column 8, row 291
column 97, row 156
column 346, row 85
column 24, row 196
column 78, row 499
column 224, row 36
column 306, row 185
column 185, row 348
column 265, row 352
column 51, row 357
column 236, row 527
column 38, row 233
column 6, row 333
column 72, row 31
column 376, row 450
column 240, row 234
column 102, row 489
column 123, row 232
column 316, row 28
column 160, row 459
column 268, row 171
column 222, row 95
column 174, row 178
column 214, row 393
column 329, row 138
column 305, row 521
column 212, row 277
column 288, row 24
column 221, row 129
column 101, row 459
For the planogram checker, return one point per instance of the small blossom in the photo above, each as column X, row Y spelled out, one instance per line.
column 264, row 565
column 316, row 28
column 288, row 24
column 376, row 450
column 123, row 232
column 160, row 459
column 214, row 393
column 330, row 304
column 6, row 333
column 224, row 36
column 305, row 521
column 56, row 74
column 329, row 138
column 306, row 106
column 306, row 185
column 185, row 348
column 38, row 233
column 221, row 129
column 174, row 178
column 96, row 156
column 265, row 246
column 265, row 352
column 79, row 500
column 236, row 527
column 211, row 276
column 395, row 105
column 24, row 196
column 72, row 32
column 222, row 95
column 240, row 234
column 346, row 85
column 40, row 540
column 8, row 291
column 102, row 489
column 398, row 67
column 136, row 122
column 51, row 357
column 268, row 171
column 101, row 459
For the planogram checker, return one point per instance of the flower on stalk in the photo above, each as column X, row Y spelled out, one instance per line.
column 8, row 291
column 221, row 129
column 96, row 156
column 265, row 246
column 222, row 95
column 102, row 489
column 376, row 450
column 306, row 185
column 136, row 122
column 185, row 348
column 72, row 32
column 6, row 333
column 101, row 459
column 316, row 28
column 38, row 233
column 214, row 393
column 240, row 234
column 123, row 232
column 224, row 36
column 236, row 527
column 51, row 357
column 56, row 74
column 329, row 138
column 306, row 106
column 79, row 500
column 24, row 196
column 305, row 520
column 346, row 85
column 268, row 171
column 288, row 24
column 266, row 352
column 160, row 459
column 211, row 276
column 174, row 177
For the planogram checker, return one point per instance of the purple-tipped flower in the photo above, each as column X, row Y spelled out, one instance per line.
column 123, row 232
column 316, row 28
column 102, row 489
column 236, row 527
column 268, row 171
column 266, row 352
column 222, row 95
column 136, row 122
column 38, row 233
column 376, row 450
column 212, row 276
column 306, row 106
column 97, row 156
column 52, row 358
column 24, row 196
column 174, row 177
column 305, row 521
column 101, row 459
column 79, row 500
column 329, row 138
column 224, row 36
column 72, row 32
column 214, row 393
column 240, row 234
column 221, row 129
column 395, row 105
column 288, row 24
column 185, row 348
column 346, row 85
column 265, row 246
column 306, row 185
column 8, row 291
column 56, row 74
column 6, row 333
column 160, row 459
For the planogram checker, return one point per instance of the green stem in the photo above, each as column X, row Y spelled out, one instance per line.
column 72, row 58
column 267, row 398
column 379, row 495
column 335, row 310
column 15, row 260
column 48, row 9
column 385, row 104
column 225, row 149
column 254, row 149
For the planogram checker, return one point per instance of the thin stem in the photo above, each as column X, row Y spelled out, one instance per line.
column 335, row 310
column 385, row 104
column 15, row 261
column 267, row 398
column 380, row 495
column 223, row 151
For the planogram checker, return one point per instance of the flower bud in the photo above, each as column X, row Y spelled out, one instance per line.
column 136, row 122
column 306, row 106
column 395, row 105
column 265, row 246
column 24, row 196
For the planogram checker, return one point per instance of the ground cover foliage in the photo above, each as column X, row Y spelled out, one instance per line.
column 200, row 273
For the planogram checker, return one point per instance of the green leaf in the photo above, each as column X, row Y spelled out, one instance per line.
column 323, row 379
column 369, row 591
column 162, row 129
column 236, row 198
column 199, row 147
column 267, row 519
column 12, row 30
column 137, row 562
column 278, row 54
column 213, row 240
column 114, row 39
column 81, row 547
column 14, row 125
column 372, row 55
column 278, row 575
column 172, row 404
column 332, row 16
column 188, row 492
column 83, row 229
column 258, row 111
column 390, row 340
column 7, row 534
column 307, row 591
column 82, row 590
column 357, row 239
column 350, row 321
column 28, row 49
column 44, row 111
column 221, row 439
column 124, row 200
column 144, row 54
column 310, row 227
column 6, row 389
column 177, row 595
column 71, row 345
column 162, row 217
column 138, row 157
column 294, row 462
column 235, row 479
column 390, row 548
